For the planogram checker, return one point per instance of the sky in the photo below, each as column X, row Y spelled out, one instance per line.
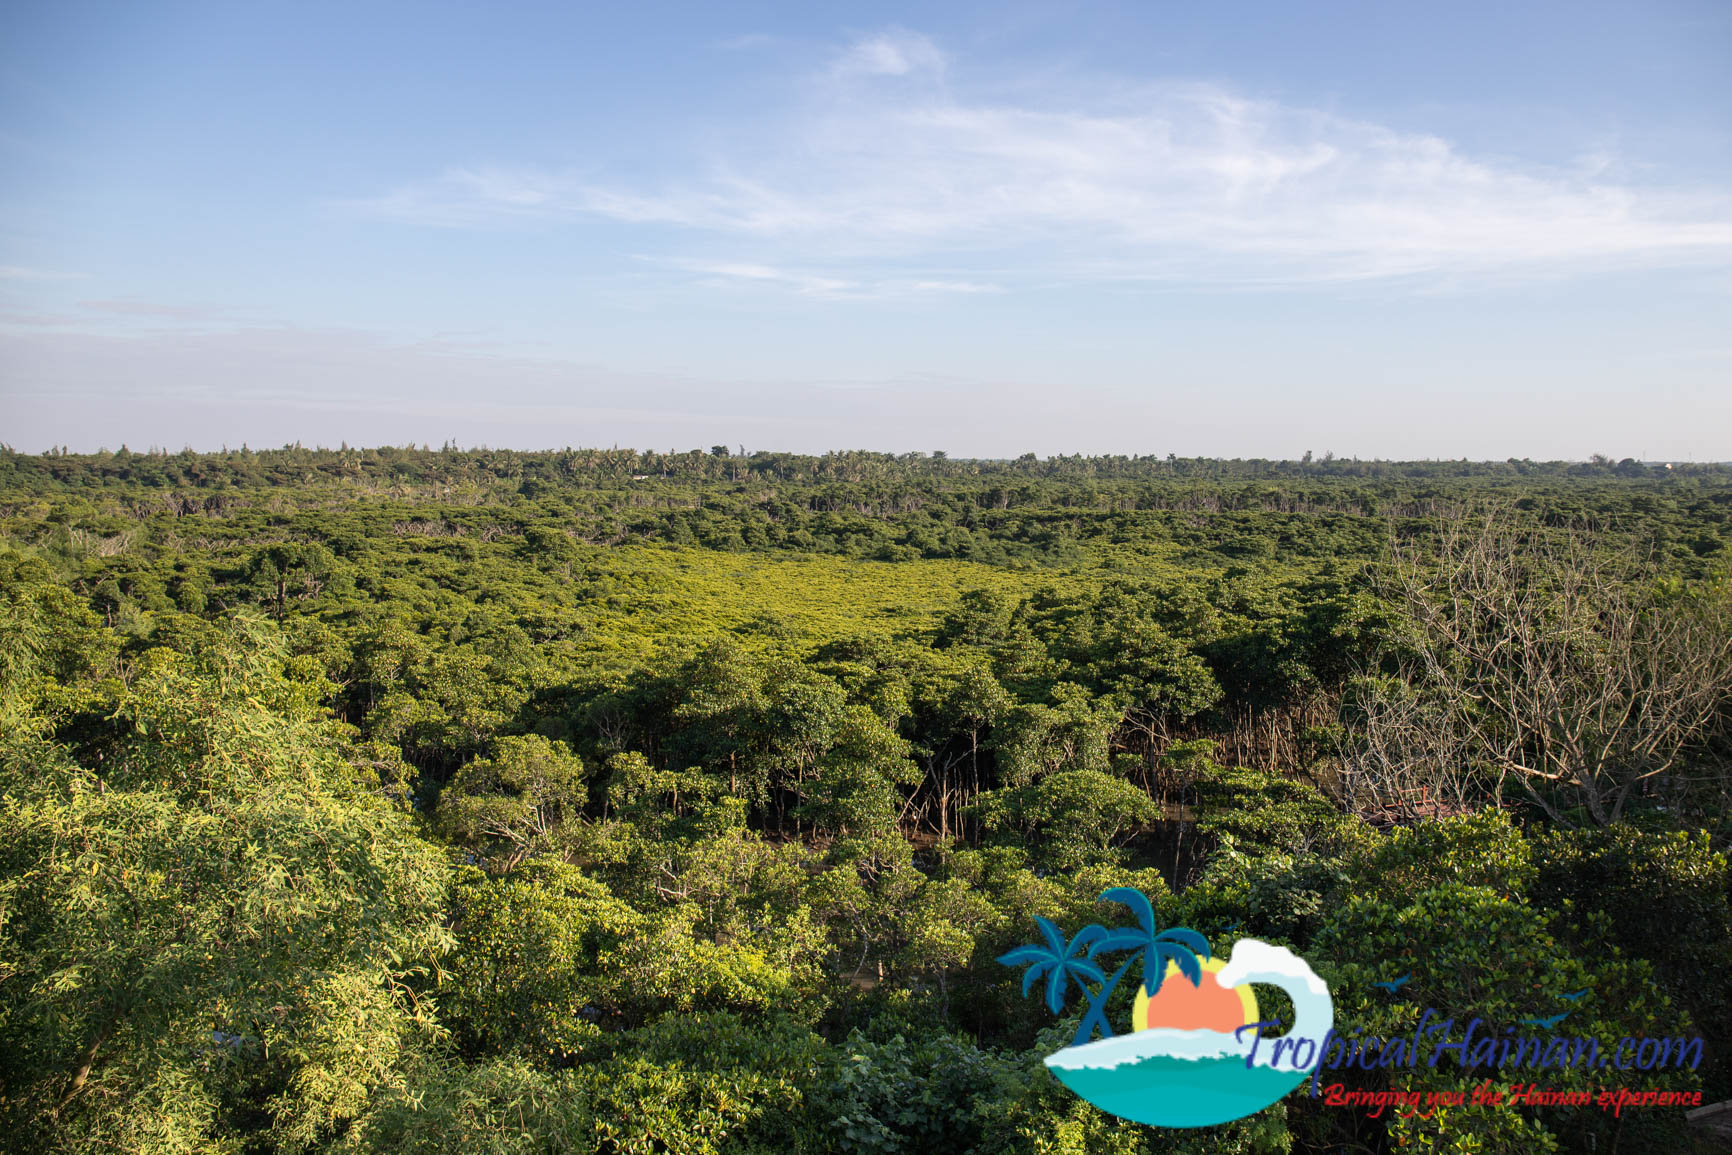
column 1378, row 229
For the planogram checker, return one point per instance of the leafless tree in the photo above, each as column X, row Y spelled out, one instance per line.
column 1562, row 660
column 1404, row 752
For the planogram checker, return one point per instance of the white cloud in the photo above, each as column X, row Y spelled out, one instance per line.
column 819, row 285
column 1158, row 180
column 955, row 287
column 812, row 284
column 896, row 52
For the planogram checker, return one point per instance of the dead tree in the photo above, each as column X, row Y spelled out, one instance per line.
column 1560, row 660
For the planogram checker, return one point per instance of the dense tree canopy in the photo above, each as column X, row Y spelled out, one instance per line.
column 601, row 801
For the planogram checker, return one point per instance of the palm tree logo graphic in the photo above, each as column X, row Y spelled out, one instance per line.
column 1057, row 961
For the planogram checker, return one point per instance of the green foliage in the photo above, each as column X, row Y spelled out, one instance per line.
column 880, row 1098
column 944, row 925
column 277, row 573
column 603, row 801
column 523, row 975
column 1257, row 813
column 1072, row 733
column 515, row 803
column 500, row 1107
column 1076, row 817
column 1483, row 849
column 697, row 1086
column 1449, row 907
column 1665, row 897
column 1281, row 851
column 215, row 923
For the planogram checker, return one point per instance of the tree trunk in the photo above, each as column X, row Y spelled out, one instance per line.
column 87, row 1060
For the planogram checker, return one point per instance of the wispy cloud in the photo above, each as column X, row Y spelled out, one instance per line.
column 748, row 42
column 1158, row 179
column 896, row 52
column 151, row 310
column 819, row 285
column 808, row 283
column 955, row 287
column 21, row 273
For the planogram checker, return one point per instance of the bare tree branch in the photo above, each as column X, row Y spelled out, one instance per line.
column 1561, row 660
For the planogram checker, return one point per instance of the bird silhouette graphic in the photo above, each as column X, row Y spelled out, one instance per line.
column 1549, row 1023
column 1394, row 985
column 1574, row 995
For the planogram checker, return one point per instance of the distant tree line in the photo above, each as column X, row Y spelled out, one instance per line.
column 295, row 466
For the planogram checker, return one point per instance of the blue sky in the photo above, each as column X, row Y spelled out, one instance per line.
column 1382, row 229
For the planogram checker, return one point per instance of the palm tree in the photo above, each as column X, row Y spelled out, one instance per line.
column 1058, row 961
column 1179, row 944
column 1097, row 1013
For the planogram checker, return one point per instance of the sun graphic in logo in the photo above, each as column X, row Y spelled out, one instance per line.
column 1180, row 1006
